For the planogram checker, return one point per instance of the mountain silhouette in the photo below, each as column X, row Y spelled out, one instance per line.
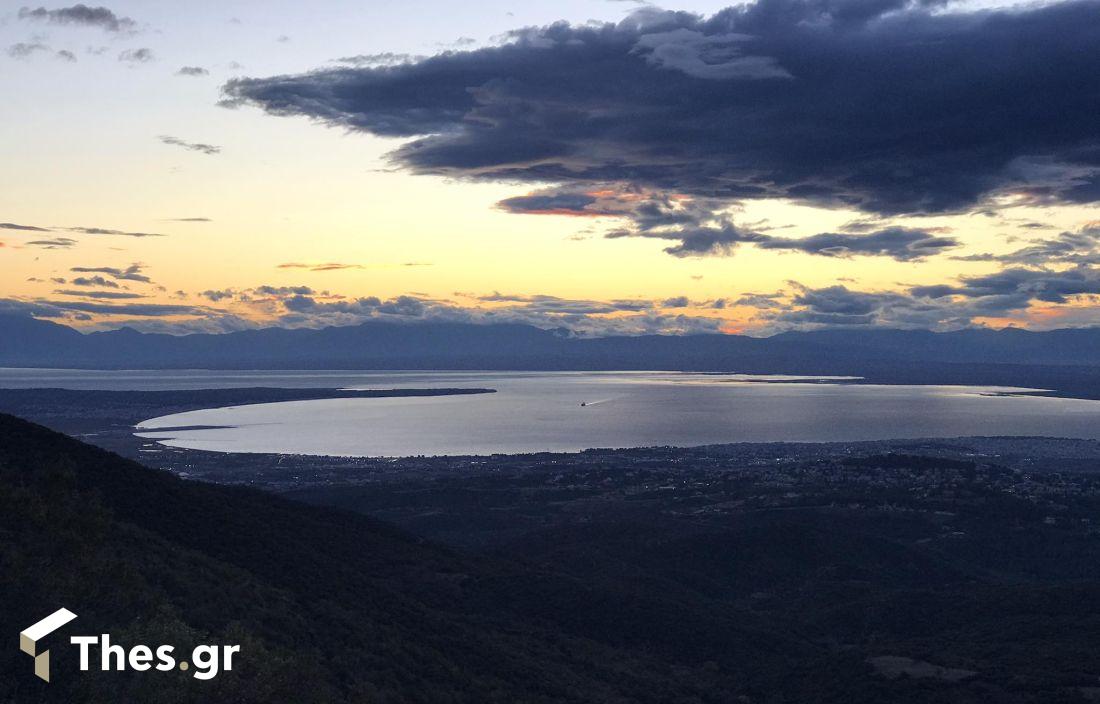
column 27, row 342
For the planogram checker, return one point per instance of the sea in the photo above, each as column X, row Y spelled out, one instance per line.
column 571, row 411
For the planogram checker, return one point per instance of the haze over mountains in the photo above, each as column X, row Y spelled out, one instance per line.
column 28, row 342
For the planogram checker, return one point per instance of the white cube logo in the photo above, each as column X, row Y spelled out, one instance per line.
column 28, row 640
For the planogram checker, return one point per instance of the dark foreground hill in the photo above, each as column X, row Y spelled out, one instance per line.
column 859, row 580
column 327, row 606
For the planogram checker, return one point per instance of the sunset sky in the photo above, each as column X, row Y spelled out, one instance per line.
column 604, row 166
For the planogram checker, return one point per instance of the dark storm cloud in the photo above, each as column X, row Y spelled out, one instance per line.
column 192, row 71
column 903, row 244
column 700, row 228
column 130, row 273
column 190, row 146
column 80, row 15
column 553, row 202
column 697, row 225
column 13, row 226
column 879, row 105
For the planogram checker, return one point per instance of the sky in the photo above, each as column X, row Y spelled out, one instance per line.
column 605, row 166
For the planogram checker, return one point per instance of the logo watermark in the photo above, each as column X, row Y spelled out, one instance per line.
column 205, row 663
column 29, row 639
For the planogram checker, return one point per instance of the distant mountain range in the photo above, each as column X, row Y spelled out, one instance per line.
column 28, row 342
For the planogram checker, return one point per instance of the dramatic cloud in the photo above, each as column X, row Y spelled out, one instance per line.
column 562, row 202
column 66, row 55
column 136, row 56
column 94, row 281
column 192, row 71
column 947, row 306
column 700, row 226
column 882, row 106
column 838, row 306
column 130, row 273
column 304, row 306
column 190, row 146
column 899, row 243
column 80, row 15
column 1078, row 248
column 695, row 241
column 1016, row 288
column 715, row 57
column 581, row 317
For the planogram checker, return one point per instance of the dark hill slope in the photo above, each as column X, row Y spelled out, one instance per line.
column 327, row 606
